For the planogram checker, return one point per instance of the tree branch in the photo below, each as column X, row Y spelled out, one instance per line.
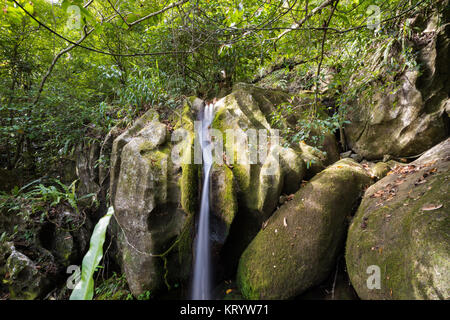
column 176, row 4
column 327, row 23
column 307, row 16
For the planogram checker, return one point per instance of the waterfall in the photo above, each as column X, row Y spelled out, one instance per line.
column 201, row 284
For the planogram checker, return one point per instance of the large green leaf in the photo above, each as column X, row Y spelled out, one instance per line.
column 84, row 290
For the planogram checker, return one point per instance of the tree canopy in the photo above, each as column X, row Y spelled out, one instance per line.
column 72, row 69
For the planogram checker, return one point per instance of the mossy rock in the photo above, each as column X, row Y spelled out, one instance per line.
column 259, row 180
column 403, row 227
column 380, row 170
column 223, row 201
column 120, row 142
column 155, row 199
column 258, row 191
column 24, row 279
column 407, row 112
column 298, row 247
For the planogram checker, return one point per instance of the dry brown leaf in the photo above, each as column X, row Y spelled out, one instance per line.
column 429, row 207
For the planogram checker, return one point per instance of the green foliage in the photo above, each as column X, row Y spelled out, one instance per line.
column 144, row 296
column 84, row 290
column 35, row 197
column 113, row 288
column 200, row 47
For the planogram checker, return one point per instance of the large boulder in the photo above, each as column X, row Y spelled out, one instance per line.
column 403, row 229
column 258, row 167
column 406, row 113
column 154, row 195
column 299, row 246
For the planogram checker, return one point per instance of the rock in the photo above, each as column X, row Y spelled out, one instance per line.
column 87, row 169
column 25, row 281
column 197, row 105
column 259, row 180
column 314, row 158
column 299, row 246
column 5, row 251
column 105, row 159
column 380, row 170
column 223, row 203
column 154, row 199
column 121, row 141
column 63, row 246
column 356, row 157
column 346, row 154
column 402, row 226
column 267, row 99
column 414, row 116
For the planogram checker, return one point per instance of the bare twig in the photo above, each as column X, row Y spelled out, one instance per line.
column 327, row 23
column 307, row 16
column 176, row 4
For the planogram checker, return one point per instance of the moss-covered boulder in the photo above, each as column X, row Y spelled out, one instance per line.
column 154, row 194
column 260, row 168
column 23, row 277
column 403, row 228
column 244, row 110
column 405, row 113
column 298, row 247
column 223, row 203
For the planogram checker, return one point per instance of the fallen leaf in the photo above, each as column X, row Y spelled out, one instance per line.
column 429, row 207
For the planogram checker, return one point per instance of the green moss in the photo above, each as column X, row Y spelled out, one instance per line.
column 298, row 247
column 229, row 201
column 247, row 178
column 380, row 169
column 224, row 194
column 186, row 121
column 189, row 187
column 150, row 115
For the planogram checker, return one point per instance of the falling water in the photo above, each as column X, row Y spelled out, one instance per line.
column 201, row 285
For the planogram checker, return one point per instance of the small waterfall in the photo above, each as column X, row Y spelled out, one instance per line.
column 201, row 285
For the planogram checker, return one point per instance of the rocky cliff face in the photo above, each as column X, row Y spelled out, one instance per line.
column 409, row 113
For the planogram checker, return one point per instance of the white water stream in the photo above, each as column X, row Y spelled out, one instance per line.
column 201, row 285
